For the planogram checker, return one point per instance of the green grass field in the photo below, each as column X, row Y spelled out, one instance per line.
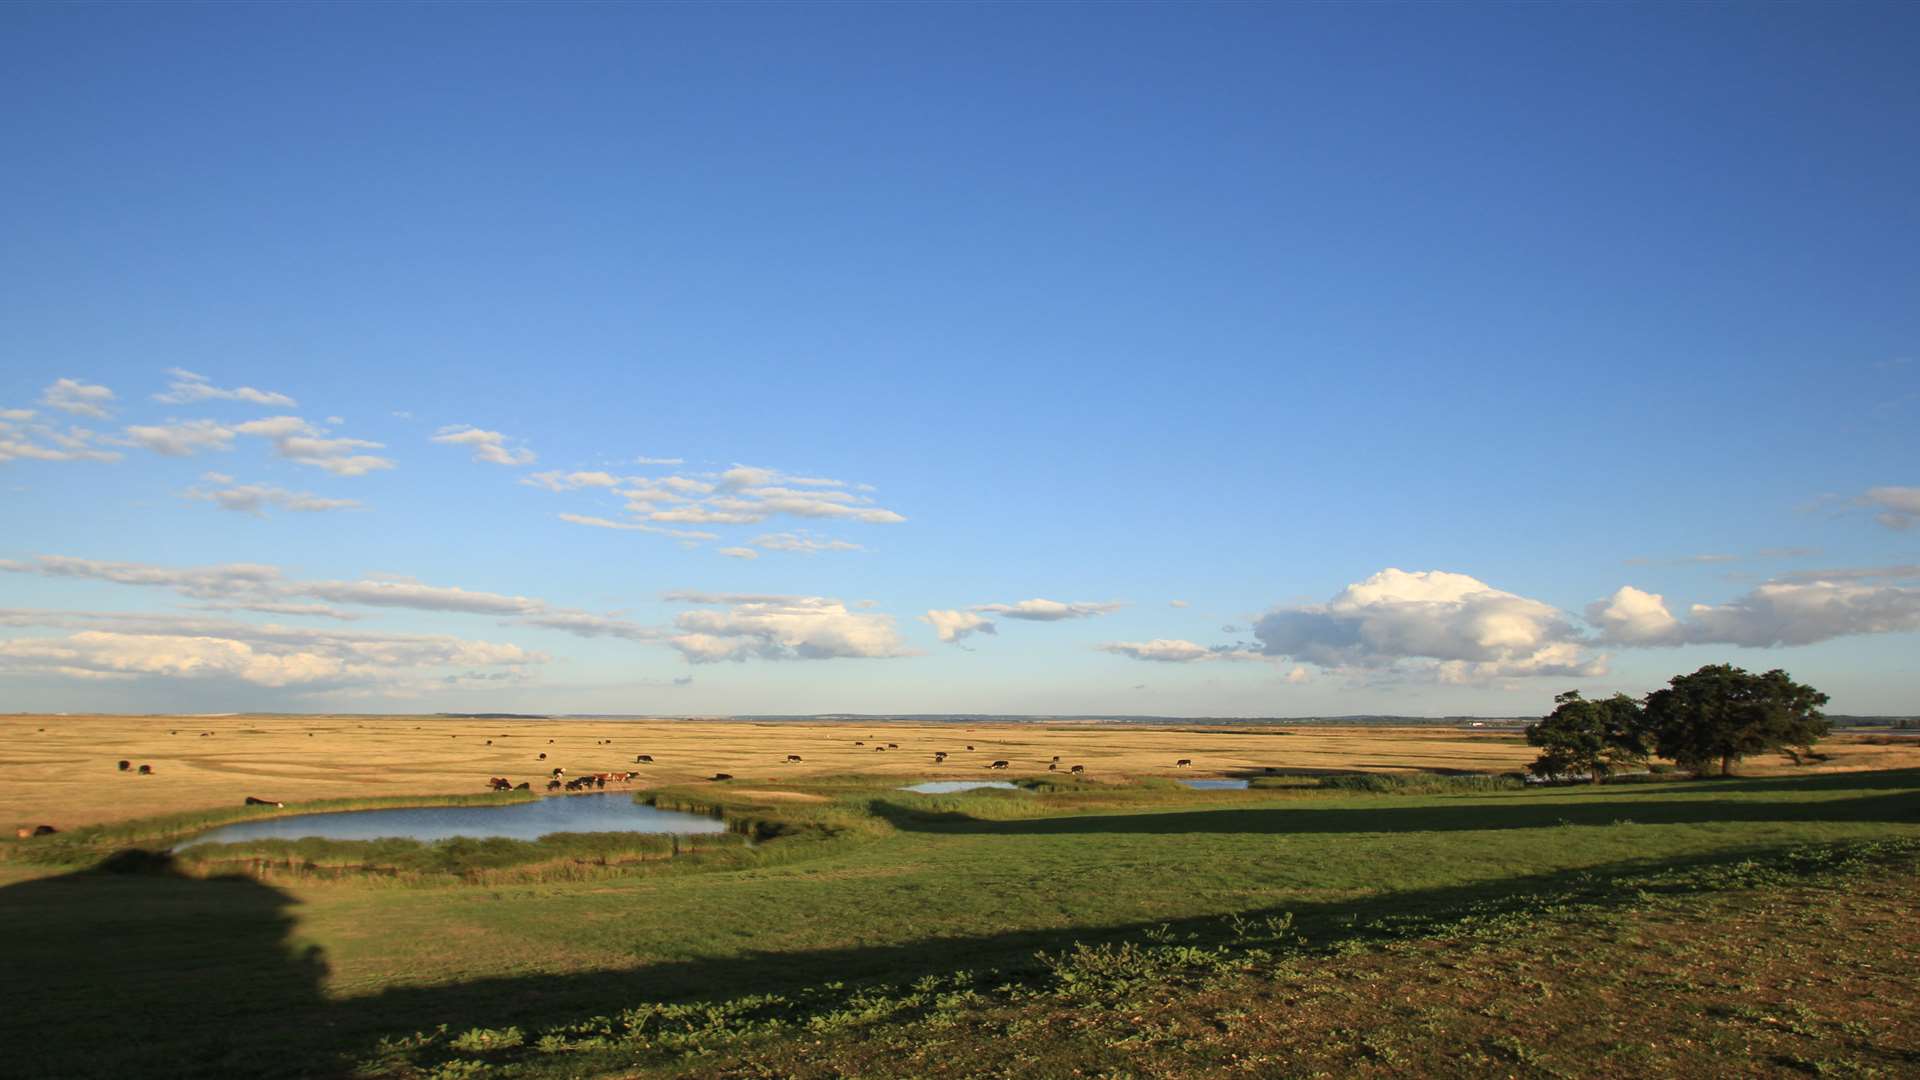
column 871, row 911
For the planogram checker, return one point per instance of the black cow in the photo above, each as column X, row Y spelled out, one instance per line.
column 792, row 758
column 523, row 786
column 543, row 756
column 939, row 756
column 146, row 770
column 998, row 765
column 251, row 801
column 722, row 776
column 643, row 759
column 1184, row 763
column 499, row 783
column 969, row 746
column 559, row 771
column 1078, row 770
column 1056, row 757
column 893, row 746
column 553, row 785
column 125, row 765
column 1053, row 766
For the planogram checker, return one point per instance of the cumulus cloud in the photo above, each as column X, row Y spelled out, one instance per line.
column 953, row 625
column 81, row 399
column 107, row 646
column 297, row 440
column 1038, row 610
column 488, row 446
column 23, row 438
column 182, row 439
column 1776, row 613
column 783, row 628
column 188, row 387
column 1452, row 627
column 1898, row 506
column 254, row 499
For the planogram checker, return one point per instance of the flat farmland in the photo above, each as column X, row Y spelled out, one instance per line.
column 62, row 770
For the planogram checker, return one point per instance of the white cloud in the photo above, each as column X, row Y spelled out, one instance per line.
column 1164, row 650
column 1899, row 506
column 802, row 543
column 81, row 399
column 1776, row 613
column 1038, row 610
column 634, row 526
column 783, row 628
column 297, row 440
column 659, row 461
column 738, row 552
column 407, row 593
column 22, row 439
column 1451, row 627
column 201, row 582
column 487, row 446
column 1177, row 603
column 121, row 647
column 256, row 498
column 188, row 387
column 183, row 439
column 571, row 481
column 588, row 625
column 953, row 625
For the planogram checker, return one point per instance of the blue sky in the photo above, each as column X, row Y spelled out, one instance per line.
column 1180, row 359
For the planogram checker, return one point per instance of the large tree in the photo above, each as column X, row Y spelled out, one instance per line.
column 1591, row 738
column 1721, row 713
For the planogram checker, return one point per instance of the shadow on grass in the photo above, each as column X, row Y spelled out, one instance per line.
column 147, row 972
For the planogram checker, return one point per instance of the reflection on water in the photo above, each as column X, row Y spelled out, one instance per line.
column 611, row 812
column 1216, row 785
column 948, row 787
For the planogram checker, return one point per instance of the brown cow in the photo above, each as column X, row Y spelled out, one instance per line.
column 998, row 765
column 939, row 756
column 125, row 765
column 523, row 786
column 722, row 776
column 1078, row 770
column 146, row 770
column 969, row 746
column 1184, row 763
column 643, row 759
column 553, row 785
column 499, row 783
column 793, row 758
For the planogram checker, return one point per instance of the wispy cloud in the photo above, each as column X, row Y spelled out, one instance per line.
column 188, row 387
column 488, row 446
column 1040, row 610
column 79, row 398
column 229, row 494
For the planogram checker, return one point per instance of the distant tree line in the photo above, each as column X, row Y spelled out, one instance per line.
column 1705, row 723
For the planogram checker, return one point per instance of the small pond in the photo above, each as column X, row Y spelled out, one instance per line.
column 949, row 787
column 1216, row 785
column 610, row 812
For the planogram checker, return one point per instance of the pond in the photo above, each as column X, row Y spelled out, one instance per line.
column 613, row 812
column 1216, row 785
column 949, row 787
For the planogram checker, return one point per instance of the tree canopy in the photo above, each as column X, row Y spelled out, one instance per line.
column 1721, row 714
column 1588, row 738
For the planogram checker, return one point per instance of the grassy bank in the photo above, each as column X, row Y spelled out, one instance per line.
column 880, row 896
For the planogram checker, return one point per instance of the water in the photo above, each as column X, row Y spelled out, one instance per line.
column 612, row 812
column 948, row 787
column 1216, row 785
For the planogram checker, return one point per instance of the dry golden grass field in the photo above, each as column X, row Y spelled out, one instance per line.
column 62, row 770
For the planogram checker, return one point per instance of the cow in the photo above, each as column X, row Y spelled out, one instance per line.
column 125, row 765
column 859, row 742
column 499, row 783
column 553, row 785
column 793, row 759
column 939, row 756
column 1053, row 766
column 643, row 759
column 1078, row 770
column 893, row 746
column 722, row 776
column 146, row 770
column 38, row 830
column 489, row 742
column 879, row 749
column 1056, row 758
column 969, row 746
column 1184, row 763
column 543, row 756
column 600, row 781
column 559, row 771
column 251, row 801
column 998, row 765
column 549, row 742
column 523, row 786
